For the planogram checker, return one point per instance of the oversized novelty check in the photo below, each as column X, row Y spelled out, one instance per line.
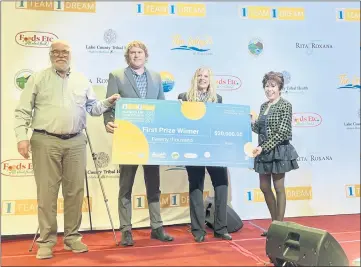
column 163, row 132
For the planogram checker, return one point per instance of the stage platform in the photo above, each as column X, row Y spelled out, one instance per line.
column 246, row 249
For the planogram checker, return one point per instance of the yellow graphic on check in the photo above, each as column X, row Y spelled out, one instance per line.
column 138, row 107
column 133, row 143
column 193, row 110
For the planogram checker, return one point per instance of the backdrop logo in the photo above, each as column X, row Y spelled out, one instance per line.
column 269, row 13
column 167, row 81
column 352, row 190
column 109, row 46
column 84, row 6
column 255, row 46
column 198, row 45
column 345, row 82
column 21, row 78
column 173, row 9
column 288, row 88
column 286, row 77
column 228, row 82
column 110, row 36
column 30, row 206
column 17, row 167
column 348, row 14
column 35, row 39
column 314, row 158
column 99, row 80
column 313, row 45
column 353, row 125
column 102, row 159
column 292, row 193
column 304, row 119
column 169, row 200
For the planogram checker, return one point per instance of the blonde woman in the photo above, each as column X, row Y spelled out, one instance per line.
column 203, row 89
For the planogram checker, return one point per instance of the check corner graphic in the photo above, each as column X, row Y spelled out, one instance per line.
column 130, row 145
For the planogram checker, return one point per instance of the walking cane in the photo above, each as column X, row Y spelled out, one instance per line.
column 87, row 196
column 101, row 186
column 32, row 244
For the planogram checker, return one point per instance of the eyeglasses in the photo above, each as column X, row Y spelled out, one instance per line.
column 57, row 53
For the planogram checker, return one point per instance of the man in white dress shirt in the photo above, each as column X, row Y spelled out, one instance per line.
column 54, row 104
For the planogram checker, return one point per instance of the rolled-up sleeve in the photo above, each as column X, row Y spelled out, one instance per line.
column 93, row 106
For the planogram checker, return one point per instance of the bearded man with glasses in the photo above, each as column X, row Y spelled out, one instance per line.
column 54, row 104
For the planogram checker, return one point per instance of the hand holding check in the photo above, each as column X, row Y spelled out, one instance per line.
column 110, row 125
column 254, row 116
column 250, row 151
column 257, row 151
column 113, row 98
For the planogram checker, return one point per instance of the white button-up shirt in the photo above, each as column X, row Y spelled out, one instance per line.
column 55, row 104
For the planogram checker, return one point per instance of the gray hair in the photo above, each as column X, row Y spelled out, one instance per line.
column 64, row 42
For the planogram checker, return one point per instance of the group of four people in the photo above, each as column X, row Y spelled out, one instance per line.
column 54, row 104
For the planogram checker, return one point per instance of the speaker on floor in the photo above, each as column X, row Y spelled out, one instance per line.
column 292, row 244
column 234, row 223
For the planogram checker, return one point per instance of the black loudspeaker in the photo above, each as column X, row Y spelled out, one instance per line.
column 292, row 244
column 234, row 223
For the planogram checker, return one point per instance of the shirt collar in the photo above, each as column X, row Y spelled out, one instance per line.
column 133, row 71
column 274, row 102
column 203, row 92
column 67, row 74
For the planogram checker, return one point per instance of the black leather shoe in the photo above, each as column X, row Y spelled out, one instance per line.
column 225, row 236
column 264, row 233
column 160, row 234
column 199, row 239
column 127, row 239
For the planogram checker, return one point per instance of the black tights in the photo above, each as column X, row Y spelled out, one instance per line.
column 276, row 207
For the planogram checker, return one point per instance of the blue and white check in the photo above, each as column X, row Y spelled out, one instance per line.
column 141, row 82
column 171, row 137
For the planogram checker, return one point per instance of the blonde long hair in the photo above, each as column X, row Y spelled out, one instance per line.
column 193, row 90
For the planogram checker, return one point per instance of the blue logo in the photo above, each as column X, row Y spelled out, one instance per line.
column 198, row 45
column 292, row 88
column 286, row 77
column 249, row 196
column 167, row 81
column 350, row 86
column 255, row 46
column 192, row 48
column 346, row 83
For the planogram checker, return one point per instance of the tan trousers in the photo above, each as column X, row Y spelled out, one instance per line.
column 55, row 162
